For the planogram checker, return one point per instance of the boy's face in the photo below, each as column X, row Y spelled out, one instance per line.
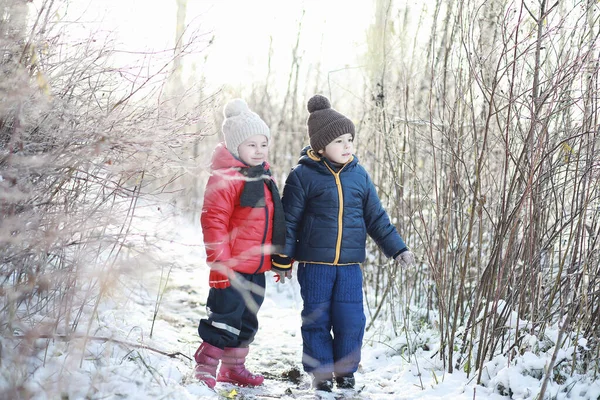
column 340, row 149
column 254, row 150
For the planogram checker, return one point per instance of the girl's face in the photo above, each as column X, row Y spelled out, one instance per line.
column 254, row 150
column 340, row 149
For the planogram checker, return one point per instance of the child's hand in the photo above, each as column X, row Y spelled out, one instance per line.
column 282, row 266
column 406, row 259
column 218, row 278
column 281, row 276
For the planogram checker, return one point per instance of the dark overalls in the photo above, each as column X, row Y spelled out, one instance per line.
column 232, row 320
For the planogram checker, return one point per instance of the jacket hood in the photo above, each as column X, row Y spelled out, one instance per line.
column 222, row 158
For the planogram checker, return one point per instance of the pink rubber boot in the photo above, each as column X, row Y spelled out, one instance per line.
column 207, row 360
column 234, row 371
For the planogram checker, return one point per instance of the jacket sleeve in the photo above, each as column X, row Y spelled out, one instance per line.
column 378, row 222
column 219, row 203
column 294, row 203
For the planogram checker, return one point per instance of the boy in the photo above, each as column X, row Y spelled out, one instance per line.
column 330, row 206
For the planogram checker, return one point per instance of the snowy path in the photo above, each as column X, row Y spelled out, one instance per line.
column 170, row 272
column 276, row 352
column 140, row 343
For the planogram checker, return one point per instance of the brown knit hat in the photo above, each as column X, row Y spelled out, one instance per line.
column 324, row 123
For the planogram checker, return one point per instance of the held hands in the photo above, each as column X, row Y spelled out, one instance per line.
column 218, row 278
column 282, row 266
column 282, row 276
column 406, row 259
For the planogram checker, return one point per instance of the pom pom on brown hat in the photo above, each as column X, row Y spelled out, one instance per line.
column 324, row 123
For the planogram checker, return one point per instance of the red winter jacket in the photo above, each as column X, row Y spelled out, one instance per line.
column 238, row 236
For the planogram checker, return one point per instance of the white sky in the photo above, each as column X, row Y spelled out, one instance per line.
column 332, row 32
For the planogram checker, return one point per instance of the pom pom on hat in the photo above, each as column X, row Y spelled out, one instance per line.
column 324, row 123
column 235, row 107
column 240, row 123
column 318, row 102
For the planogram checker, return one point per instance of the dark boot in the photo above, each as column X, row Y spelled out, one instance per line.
column 207, row 360
column 345, row 381
column 322, row 381
column 234, row 371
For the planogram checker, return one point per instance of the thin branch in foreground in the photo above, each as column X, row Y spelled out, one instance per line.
column 67, row 338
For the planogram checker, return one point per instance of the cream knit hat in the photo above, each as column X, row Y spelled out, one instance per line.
column 241, row 123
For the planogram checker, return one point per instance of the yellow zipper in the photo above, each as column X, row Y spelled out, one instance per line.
column 338, row 183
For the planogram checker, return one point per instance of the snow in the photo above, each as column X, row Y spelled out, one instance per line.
column 126, row 355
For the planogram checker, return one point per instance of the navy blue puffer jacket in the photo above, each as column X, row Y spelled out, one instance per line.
column 329, row 211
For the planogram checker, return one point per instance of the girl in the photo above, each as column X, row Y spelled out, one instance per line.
column 242, row 219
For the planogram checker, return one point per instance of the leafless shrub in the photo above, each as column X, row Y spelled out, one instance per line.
column 82, row 139
column 479, row 125
column 485, row 155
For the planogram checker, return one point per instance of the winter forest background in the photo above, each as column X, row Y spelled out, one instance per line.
column 478, row 121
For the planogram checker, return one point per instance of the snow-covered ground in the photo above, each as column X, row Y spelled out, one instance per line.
column 131, row 357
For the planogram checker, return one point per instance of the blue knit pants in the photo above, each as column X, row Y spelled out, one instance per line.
column 333, row 319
